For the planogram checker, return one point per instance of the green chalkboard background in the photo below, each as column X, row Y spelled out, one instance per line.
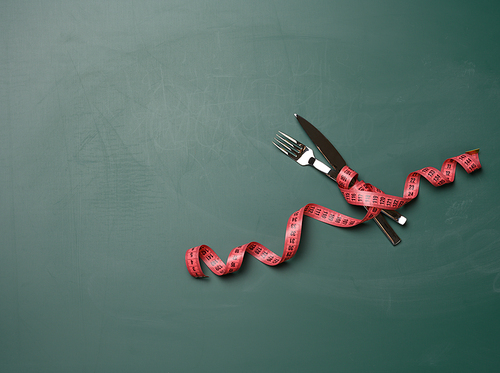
column 131, row 131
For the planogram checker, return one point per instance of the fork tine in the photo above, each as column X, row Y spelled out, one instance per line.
column 286, row 147
column 290, row 138
column 280, row 148
column 289, row 142
column 294, row 144
column 292, row 153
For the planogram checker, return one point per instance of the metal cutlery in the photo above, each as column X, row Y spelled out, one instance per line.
column 336, row 161
column 304, row 156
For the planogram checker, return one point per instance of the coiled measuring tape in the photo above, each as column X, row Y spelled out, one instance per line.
column 360, row 194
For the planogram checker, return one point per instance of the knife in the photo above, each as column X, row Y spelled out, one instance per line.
column 336, row 161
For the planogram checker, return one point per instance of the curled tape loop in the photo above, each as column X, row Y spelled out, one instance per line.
column 345, row 177
column 360, row 193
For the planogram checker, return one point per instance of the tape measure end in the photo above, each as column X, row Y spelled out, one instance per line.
column 475, row 151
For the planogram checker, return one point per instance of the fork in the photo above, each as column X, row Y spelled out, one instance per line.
column 304, row 156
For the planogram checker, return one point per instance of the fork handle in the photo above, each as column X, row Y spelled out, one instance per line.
column 395, row 215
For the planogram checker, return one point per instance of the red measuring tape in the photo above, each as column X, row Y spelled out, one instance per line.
column 360, row 193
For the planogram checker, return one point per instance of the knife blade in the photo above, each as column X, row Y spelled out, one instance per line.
column 323, row 144
column 336, row 160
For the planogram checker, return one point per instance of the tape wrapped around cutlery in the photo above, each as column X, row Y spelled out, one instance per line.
column 360, row 193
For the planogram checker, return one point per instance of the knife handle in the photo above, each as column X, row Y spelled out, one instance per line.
column 393, row 214
column 387, row 229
